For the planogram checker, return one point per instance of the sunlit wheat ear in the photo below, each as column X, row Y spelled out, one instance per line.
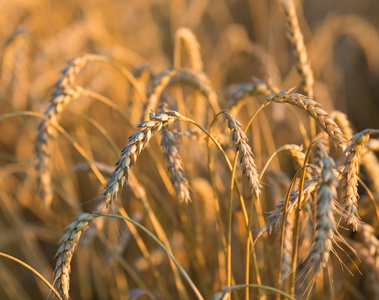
column 313, row 108
column 349, row 181
column 46, row 131
column 300, row 51
column 184, row 36
column 175, row 168
column 325, row 224
column 136, row 143
column 65, row 253
column 246, row 157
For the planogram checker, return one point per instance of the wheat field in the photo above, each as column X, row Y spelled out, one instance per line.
column 204, row 149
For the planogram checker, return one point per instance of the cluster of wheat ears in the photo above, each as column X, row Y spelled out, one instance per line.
column 217, row 210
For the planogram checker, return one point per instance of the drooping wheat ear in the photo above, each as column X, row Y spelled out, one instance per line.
column 254, row 88
column 136, row 143
column 349, row 180
column 74, row 66
column 369, row 160
column 246, row 160
column 175, row 168
column 300, row 51
column 325, row 227
column 184, row 36
column 313, row 108
column 46, row 132
column 65, row 253
column 171, row 76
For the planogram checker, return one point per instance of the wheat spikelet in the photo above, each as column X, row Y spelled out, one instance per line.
column 136, row 143
column 313, row 108
column 349, row 180
column 246, row 160
column 186, row 37
column 65, row 253
column 325, row 227
column 175, row 168
column 46, row 131
column 300, row 51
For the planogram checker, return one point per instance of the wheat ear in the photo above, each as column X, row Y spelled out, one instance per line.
column 136, row 143
column 175, row 168
column 65, row 253
column 246, row 160
column 349, row 174
column 46, row 132
column 300, row 51
column 184, row 36
column 313, row 108
column 325, row 227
